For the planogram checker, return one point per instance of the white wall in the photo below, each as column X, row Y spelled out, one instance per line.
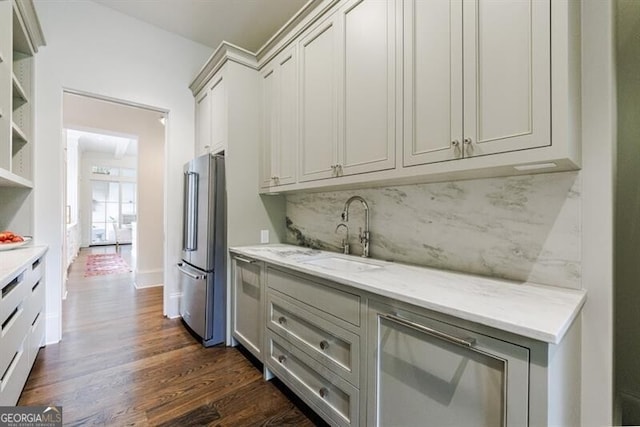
column 145, row 126
column 598, row 172
column 93, row 49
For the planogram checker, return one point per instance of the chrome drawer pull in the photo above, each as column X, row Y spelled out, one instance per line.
column 282, row 358
column 282, row 320
column 466, row 342
column 324, row 392
column 324, row 344
column 248, row 261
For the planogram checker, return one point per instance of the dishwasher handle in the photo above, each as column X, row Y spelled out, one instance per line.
column 465, row 342
column 190, row 274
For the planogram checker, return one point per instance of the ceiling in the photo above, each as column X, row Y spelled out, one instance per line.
column 92, row 142
column 245, row 23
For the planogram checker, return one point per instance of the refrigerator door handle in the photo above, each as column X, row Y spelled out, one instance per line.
column 188, row 273
column 191, row 211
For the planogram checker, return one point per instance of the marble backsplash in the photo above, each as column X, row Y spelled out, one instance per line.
column 521, row 228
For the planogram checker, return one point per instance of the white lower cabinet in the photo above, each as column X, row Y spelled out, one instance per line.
column 247, row 302
column 425, row 372
column 327, row 393
column 22, row 327
column 362, row 359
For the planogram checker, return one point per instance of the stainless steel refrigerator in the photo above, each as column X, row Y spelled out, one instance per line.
column 203, row 265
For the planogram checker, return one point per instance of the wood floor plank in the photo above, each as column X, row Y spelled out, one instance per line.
column 121, row 362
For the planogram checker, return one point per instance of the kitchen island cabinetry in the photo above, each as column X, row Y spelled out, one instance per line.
column 368, row 342
column 21, row 316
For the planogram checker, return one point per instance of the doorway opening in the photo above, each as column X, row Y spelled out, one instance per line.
column 114, row 172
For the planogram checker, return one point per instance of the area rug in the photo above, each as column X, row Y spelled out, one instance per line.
column 103, row 264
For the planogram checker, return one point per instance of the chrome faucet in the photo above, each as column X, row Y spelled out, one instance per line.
column 345, row 240
column 363, row 235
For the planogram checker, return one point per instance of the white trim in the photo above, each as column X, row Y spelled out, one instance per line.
column 148, row 278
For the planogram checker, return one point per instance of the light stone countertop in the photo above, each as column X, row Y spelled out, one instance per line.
column 12, row 261
column 535, row 311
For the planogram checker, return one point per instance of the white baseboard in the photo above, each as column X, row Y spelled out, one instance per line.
column 148, row 278
column 53, row 328
column 172, row 310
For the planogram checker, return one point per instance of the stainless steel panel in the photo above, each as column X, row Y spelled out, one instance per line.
column 193, row 304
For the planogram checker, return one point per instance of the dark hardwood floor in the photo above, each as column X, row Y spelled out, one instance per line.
column 120, row 362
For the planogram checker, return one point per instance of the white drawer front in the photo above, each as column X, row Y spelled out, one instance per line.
column 13, row 331
column 328, row 394
column 12, row 292
column 343, row 305
column 14, row 377
column 36, row 337
column 335, row 347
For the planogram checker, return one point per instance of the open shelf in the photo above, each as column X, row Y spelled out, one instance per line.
column 8, row 179
column 19, row 137
column 19, row 94
column 21, row 41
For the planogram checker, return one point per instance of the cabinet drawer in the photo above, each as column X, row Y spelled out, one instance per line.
column 332, row 397
column 34, row 303
column 14, row 377
column 329, row 344
column 36, row 336
column 36, row 268
column 343, row 305
column 13, row 330
column 12, row 292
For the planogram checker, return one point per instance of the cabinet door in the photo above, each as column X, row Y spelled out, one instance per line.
column 247, row 302
column 218, row 116
column 428, row 373
column 318, row 102
column 367, row 86
column 287, row 117
column 203, row 122
column 269, row 126
column 432, row 81
column 506, row 75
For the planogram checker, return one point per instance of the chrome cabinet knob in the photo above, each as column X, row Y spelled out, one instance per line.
column 468, row 141
column 282, row 320
column 324, row 344
column 282, row 358
column 324, row 392
column 455, row 143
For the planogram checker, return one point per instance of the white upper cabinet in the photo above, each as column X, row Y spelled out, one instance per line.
column 280, row 120
column 318, row 102
column 432, row 80
column 507, row 75
column 348, row 96
column 203, row 122
column 367, row 86
column 218, row 96
column 211, row 117
column 498, row 101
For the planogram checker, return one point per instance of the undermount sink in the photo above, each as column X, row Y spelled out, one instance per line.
column 341, row 264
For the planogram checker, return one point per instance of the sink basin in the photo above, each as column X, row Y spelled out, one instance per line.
column 341, row 264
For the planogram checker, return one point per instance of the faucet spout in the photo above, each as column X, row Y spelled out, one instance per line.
column 364, row 235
